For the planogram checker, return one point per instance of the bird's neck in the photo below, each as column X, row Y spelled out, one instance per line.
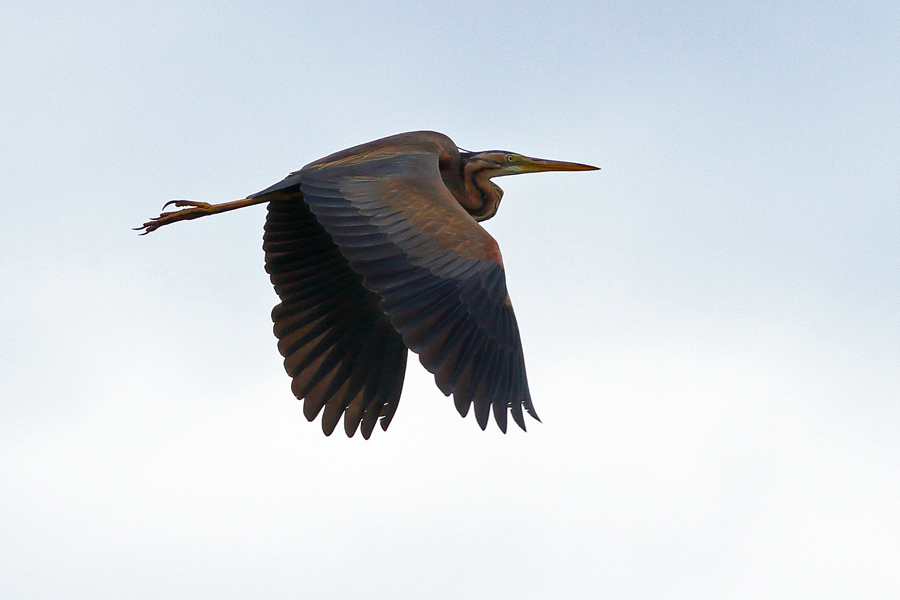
column 482, row 196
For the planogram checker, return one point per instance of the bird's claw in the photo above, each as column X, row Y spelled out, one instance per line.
column 180, row 203
column 197, row 209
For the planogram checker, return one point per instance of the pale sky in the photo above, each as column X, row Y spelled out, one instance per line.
column 711, row 323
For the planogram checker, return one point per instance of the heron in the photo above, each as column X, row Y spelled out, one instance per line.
column 376, row 250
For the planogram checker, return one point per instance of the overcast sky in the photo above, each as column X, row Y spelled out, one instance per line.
column 711, row 323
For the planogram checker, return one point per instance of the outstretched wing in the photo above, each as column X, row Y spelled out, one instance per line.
column 338, row 346
column 437, row 272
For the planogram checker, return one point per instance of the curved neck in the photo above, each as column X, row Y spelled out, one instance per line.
column 482, row 197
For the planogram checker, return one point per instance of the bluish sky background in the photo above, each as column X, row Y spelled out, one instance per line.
column 711, row 323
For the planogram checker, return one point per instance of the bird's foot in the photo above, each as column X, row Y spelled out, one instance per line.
column 196, row 210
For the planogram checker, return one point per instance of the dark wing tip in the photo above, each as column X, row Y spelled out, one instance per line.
column 462, row 404
column 518, row 417
column 500, row 415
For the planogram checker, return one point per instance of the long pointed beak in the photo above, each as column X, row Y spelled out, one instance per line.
column 539, row 165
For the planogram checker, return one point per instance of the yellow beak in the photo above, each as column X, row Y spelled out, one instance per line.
column 539, row 165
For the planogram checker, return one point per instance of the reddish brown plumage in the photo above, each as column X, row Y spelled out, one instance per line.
column 376, row 249
column 423, row 263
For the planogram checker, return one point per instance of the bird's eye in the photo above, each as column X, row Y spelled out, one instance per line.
column 510, row 158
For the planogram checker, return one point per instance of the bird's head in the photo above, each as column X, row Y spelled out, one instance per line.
column 498, row 163
column 482, row 196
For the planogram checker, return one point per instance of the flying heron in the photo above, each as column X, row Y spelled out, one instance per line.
column 377, row 249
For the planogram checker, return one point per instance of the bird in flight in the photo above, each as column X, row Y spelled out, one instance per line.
column 377, row 249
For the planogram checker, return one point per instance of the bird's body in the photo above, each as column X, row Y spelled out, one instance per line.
column 376, row 249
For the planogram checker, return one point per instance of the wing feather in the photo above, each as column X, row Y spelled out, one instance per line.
column 448, row 301
column 331, row 331
column 371, row 254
